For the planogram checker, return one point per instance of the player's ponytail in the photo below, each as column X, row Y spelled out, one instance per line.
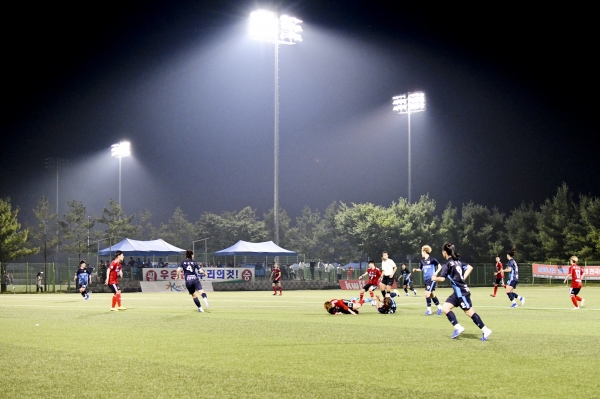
column 189, row 254
column 451, row 251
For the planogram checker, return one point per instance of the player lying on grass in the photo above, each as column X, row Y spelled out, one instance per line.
column 457, row 272
column 342, row 306
column 385, row 306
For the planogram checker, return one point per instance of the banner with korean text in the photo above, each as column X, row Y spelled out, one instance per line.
column 561, row 271
column 215, row 274
column 171, row 286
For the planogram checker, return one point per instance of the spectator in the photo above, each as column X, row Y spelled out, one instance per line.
column 38, row 282
column 339, row 270
column 350, row 270
column 312, row 265
column 102, row 271
column 329, row 270
column 301, row 270
column 292, row 273
column 320, row 269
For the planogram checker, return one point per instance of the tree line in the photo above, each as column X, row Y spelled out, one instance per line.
column 553, row 231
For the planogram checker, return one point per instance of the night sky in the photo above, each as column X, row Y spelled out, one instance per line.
column 510, row 105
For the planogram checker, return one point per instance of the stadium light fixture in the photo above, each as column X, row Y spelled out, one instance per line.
column 409, row 103
column 120, row 150
column 267, row 26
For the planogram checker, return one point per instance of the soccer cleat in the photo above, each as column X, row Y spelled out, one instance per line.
column 492, row 295
column 428, row 313
column 522, row 299
column 407, row 294
column 373, row 303
column 122, row 308
column 486, row 333
column 582, row 303
column 457, row 332
column 200, row 309
column 439, row 312
column 114, row 309
column 415, row 291
column 575, row 308
column 396, row 292
column 514, row 305
column 87, row 296
column 274, row 294
column 206, row 302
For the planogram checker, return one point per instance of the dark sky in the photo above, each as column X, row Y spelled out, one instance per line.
column 510, row 105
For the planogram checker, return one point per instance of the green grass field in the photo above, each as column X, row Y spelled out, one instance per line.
column 251, row 344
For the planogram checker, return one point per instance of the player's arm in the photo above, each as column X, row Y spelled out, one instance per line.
column 567, row 277
column 108, row 270
column 200, row 270
column 179, row 273
column 75, row 277
column 467, row 271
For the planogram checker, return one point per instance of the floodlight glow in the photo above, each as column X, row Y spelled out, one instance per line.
column 409, row 103
column 265, row 26
column 121, row 150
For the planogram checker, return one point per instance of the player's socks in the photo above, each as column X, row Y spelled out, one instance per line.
column 280, row 290
column 477, row 320
column 119, row 300
column 362, row 294
column 495, row 289
column 197, row 302
column 372, row 294
column 114, row 301
column 574, row 300
column 510, row 296
column 83, row 294
column 274, row 290
column 578, row 298
column 436, row 302
column 428, row 300
column 406, row 290
column 452, row 318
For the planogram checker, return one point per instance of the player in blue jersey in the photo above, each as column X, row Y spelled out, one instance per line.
column 387, row 305
column 83, row 277
column 190, row 270
column 457, row 272
column 406, row 280
column 513, row 279
column 429, row 266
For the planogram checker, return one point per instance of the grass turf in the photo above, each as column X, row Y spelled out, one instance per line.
column 252, row 344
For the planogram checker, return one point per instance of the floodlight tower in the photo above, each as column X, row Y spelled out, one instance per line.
column 120, row 150
column 409, row 103
column 268, row 27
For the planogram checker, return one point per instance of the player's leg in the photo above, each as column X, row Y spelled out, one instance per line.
column 362, row 293
column 202, row 293
column 274, row 288
column 280, row 289
column 486, row 332
column 447, row 309
column 121, row 307
column 114, row 289
column 435, row 299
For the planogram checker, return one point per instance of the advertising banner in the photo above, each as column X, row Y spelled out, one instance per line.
column 561, row 271
column 171, row 286
column 215, row 274
column 356, row 284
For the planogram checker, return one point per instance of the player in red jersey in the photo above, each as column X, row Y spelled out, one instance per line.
column 342, row 306
column 498, row 275
column 576, row 273
column 115, row 271
column 276, row 279
column 373, row 282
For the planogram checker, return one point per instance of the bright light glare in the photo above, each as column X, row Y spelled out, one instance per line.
column 265, row 26
column 121, row 150
column 411, row 102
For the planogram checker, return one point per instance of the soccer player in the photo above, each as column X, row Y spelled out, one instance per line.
column 388, row 269
column 513, row 279
column 82, row 278
column 387, row 306
column 276, row 279
column 190, row 270
column 372, row 283
column 342, row 306
column 406, row 279
column 457, row 272
column 429, row 266
column 499, row 275
column 576, row 273
column 115, row 271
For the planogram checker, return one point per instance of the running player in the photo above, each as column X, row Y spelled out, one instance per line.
column 372, row 283
column 387, row 306
column 276, row 279
column 342, row 306
column 406, row 279
column 190, row 270
column 429, row 266
column 498, row 275
column 513, row 279
column 82, row 278
column 388, row 269
column 576, row 273
column 457, row 272
column 115, row 271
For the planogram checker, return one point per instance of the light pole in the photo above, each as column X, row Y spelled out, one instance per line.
column 267, row 26
column 120, row 150
column 409, row 103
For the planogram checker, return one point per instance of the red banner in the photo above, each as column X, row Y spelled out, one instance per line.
column 356, row 284
column 561, row 271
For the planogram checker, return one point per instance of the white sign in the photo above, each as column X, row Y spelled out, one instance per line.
column 171, row 286
column 215, row 274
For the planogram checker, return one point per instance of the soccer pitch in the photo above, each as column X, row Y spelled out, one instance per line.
column 253, row 344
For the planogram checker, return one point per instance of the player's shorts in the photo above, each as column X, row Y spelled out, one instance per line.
column 574, row 291
column 463, row 302
column 430, row 285
column 513, row 283
column 80, row 286
column 367, row 287
column 276, row 281
column 193, row 285
column 499, row 281
column 407, row 282
column 387, row 280
column 114, row 288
